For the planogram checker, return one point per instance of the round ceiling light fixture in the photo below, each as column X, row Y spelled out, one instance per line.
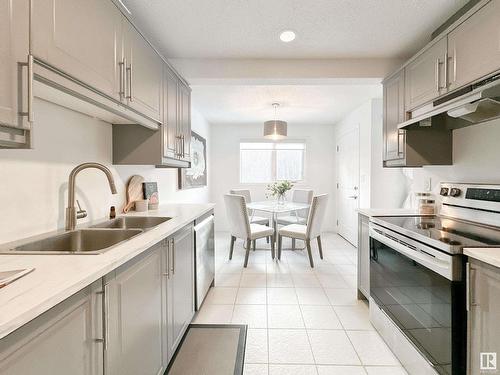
column 287, row 36
column 275, row 129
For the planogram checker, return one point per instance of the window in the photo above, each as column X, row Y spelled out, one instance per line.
column 265, row 162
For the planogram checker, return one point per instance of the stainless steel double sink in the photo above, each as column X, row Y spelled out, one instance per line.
column 95, row 239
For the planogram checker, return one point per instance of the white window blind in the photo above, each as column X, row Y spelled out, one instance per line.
column 265, row 162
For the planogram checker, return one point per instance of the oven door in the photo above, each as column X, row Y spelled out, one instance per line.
column 421, row 290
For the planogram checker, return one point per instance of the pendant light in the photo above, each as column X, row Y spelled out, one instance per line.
column 275, row 129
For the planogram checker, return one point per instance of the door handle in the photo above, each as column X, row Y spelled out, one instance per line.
column 353, row 197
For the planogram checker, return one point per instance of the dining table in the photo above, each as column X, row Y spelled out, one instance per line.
column 276, row 208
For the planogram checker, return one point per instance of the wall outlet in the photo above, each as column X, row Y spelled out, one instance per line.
column 428, row 184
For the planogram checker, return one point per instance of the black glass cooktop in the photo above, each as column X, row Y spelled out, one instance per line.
column 444, row 232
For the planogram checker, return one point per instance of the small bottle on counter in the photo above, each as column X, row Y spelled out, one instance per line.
column 112, row 212
column 426, row 207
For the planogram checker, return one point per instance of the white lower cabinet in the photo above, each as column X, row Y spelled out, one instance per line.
column 67, row 339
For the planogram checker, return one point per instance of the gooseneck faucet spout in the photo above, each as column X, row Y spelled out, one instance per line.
column 71, row 214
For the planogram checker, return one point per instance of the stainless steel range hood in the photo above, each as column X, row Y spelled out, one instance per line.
column 468, row 106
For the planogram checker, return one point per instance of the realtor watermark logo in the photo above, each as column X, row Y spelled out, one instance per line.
column 488, row 361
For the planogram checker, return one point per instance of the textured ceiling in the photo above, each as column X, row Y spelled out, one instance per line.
column 325, row 28
column 301, row 104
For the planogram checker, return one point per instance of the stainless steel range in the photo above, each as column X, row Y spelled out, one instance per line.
column 418, row 274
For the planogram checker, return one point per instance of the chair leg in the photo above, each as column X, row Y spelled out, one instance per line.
column 320, row 247
column 267, row 238
column 254, row 244
column 308, row 245
column 272, row 248
column 249, row 242
column 280, row 240
column 293, row 243
column 233, row 240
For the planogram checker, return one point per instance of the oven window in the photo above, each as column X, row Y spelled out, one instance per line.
column 418, row 300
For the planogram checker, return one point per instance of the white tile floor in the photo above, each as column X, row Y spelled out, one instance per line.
column 301, row 321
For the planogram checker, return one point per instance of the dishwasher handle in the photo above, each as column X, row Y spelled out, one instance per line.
column 208, row 221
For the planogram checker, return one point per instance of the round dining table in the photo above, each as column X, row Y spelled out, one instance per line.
column 275, row 208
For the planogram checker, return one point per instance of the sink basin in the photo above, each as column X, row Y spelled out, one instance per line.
column 127, row 222
column 83, row 241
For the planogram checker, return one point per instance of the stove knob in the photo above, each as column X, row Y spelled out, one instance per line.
column 455, row 192
column 444, row 191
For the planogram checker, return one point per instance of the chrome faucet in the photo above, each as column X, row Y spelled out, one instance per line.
column 71, row 214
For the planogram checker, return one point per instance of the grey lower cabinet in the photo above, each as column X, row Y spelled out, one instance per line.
column 14, row 73
column 483, row 313
column 67, row 339
column 149, row 302
column 128, row 323
column 134, row 316
column 180, row 285
column 363, row 257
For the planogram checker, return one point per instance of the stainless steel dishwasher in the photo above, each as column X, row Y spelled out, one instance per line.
column 204, row 247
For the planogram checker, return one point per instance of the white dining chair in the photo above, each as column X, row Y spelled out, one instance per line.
column 310, row 231
column 241, row 227
column 298, row 216
column 253, row 219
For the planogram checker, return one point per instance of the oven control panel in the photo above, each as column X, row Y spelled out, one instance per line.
column 473, row 202
column 489, row 195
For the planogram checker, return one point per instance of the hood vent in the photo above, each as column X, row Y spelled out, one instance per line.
column 480, row 103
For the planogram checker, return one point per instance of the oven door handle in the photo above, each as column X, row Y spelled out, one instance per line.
column 440, row 266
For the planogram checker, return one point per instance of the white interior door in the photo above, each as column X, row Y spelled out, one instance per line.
column 348, row 185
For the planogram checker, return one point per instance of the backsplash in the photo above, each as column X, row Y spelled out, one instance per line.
column 476, row 156
column 34, row 182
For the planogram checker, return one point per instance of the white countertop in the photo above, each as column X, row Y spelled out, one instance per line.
column 490, row 255
column 57, row 277
column 373, row 212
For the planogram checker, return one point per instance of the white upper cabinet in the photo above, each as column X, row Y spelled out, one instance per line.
column 80, row 38
column 14, row 50
column 143, row 73
column 474, row 46
column 425, row 76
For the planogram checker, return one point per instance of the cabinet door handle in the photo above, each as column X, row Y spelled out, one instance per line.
column 129, row 82
column 30, row 88
column 167, row 244
column 401, row 135
column 106, row 315
column 29, row 112
column 172, row 267
column 438, row 84
column 445, row 70
column 121, row 65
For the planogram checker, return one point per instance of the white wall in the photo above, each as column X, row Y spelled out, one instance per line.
column 379, row 187
column 224, row 164
column 33, row 187
column 476, row 158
